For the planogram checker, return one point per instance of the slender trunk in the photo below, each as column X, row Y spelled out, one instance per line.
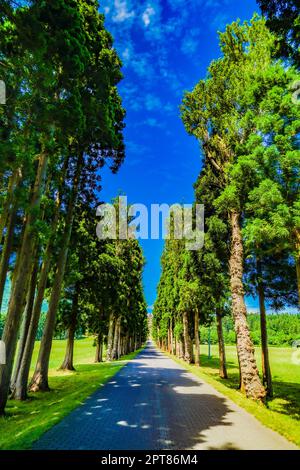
column 197, row 338
column 6, row 252
column 298, row 276
column 171, row 337
column 222, row 355
column 120, row 345
column 26, row 324
column 187, row 340
column 266, row 369
column 135, row 343
column 99, row 348
column 245, row 349
column 116, row 339
column 181, row 349
column 23, row 375
column 110, row 338
column 68, row 360
column 13, row 182
column 39, row 381
column 18, row 294
column 297, row 260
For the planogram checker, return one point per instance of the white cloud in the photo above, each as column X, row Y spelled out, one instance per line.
column 147, row 15
column 189, row 45
column 122, row 12
column 152, row 102
column 126, row 54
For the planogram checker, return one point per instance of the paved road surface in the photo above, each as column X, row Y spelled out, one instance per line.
column 153, row 403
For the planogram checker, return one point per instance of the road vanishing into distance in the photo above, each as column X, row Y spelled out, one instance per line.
column 155, row 404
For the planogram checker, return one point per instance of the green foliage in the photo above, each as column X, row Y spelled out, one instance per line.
column 283, row 18
column 283, row 329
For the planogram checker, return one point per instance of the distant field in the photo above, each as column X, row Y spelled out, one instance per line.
column 283, row 411
column 26, row 421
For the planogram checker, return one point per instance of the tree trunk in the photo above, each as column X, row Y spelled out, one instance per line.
column 222, row 355
column 135, row 342
column 110, row 338
column 197, row 338
column 39, row 381
column 68, row 360
column 120, row 344
column 181, row 349
column 22, row 379
column 298, row 276
column 26, row 324
column 6, row 252
column 176, row 348
column 99, row 348
column 187, row 340
column 169, row 341
column 171, row 337
column 116, row 339
column 10, row 199
column 266, row 369
column 18, row 294
column 297, row 260
column 249, row 371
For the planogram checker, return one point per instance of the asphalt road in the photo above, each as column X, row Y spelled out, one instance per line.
column 155, row 404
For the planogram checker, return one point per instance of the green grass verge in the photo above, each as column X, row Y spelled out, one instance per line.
column 26, row 421
column 282, row 412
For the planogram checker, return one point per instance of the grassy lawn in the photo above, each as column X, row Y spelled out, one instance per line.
column 26, row 421
column 282, row 412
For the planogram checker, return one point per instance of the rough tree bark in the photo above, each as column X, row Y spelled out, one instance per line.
column 222, row 355
column 197, row 338
column 68, row 360
column 19, row 288
column 99, row 348
column 110, row 337
column 116, row 339
column 120, row 344
column 266, row 369
column 297, row 260
column 171, row 337
column 6, row 251
column 25, row 324
column 188, row 357
column 23, row 375
column 169, row 348
column 39, row 381
column 10, row 199
column 181, row 349
column 249, row 371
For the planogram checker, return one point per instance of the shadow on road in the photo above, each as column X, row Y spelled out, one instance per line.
column 152, row 403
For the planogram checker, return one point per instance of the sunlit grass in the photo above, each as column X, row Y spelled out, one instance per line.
column 26, row 421
column 282, row 412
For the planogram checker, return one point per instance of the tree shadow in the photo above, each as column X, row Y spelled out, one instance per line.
column 226, row 446
column 286, row 399
column 147, row 406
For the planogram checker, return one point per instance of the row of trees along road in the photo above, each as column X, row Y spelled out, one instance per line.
column 62, row 121
column 245, row 118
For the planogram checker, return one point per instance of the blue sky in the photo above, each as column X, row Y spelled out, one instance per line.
column 166, row 47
